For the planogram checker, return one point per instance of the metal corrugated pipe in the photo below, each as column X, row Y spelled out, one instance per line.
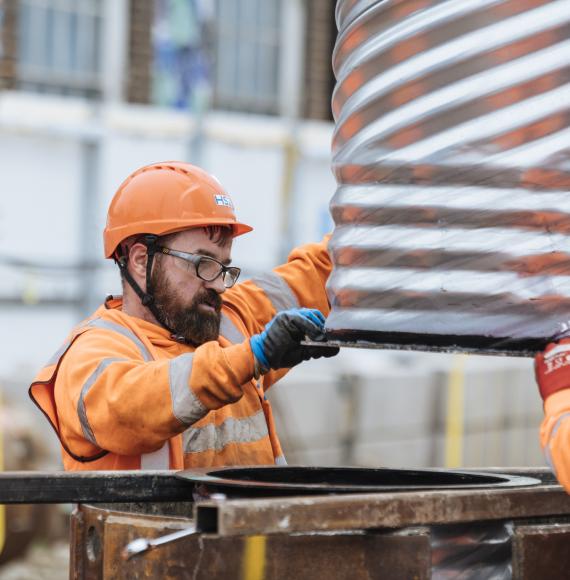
column 452, row 156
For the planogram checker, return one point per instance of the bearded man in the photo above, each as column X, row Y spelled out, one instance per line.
column 173, row 374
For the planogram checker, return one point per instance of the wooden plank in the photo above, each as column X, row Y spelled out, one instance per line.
column 93, row 486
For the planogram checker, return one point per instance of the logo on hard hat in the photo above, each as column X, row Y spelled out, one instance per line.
column 224, row 200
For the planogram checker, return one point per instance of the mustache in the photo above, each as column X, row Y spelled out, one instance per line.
column 209, row 297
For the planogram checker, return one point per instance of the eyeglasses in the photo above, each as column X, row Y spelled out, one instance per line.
column 207, row 269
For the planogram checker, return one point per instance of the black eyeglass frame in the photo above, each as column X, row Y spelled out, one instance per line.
column 196, row 260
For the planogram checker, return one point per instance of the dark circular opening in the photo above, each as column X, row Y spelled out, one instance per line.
column 354, row 476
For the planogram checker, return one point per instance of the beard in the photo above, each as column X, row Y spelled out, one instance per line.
column 190, row 322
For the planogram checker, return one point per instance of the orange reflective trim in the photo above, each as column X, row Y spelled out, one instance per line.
column 124, row 331
column 81, row 410
column 215, row 437
column 229, row 330
column 277, row 291
column 256, row 453
column 547, row 452
column 186, row 406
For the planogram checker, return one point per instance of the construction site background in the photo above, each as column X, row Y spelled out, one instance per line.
column 63, row 156
column 91, row 90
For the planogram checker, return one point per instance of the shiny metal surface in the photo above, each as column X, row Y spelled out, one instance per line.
column 306, row 480
column 452, row 156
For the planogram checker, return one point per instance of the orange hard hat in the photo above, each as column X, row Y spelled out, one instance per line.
column 168, row 197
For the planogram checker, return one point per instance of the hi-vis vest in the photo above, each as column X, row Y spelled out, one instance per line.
column 122, row 394
column 258, row 428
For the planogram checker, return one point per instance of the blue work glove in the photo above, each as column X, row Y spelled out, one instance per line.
column 279, row 345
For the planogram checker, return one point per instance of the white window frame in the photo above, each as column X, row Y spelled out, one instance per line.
column 34, row 69
column 289, row 43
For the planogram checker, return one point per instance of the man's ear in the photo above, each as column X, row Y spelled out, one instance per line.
column 137, row 263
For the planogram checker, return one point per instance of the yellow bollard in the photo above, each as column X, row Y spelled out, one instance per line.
column 253, row 567
column 454, row 417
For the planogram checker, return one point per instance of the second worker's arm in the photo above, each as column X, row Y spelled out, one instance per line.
column 552, row 370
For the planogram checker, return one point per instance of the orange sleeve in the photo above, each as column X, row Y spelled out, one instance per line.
column 109, row 398
column 555, row 435
column 219, row 372
column 300, row 282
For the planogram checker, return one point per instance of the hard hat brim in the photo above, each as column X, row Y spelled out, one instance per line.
column 162, row 228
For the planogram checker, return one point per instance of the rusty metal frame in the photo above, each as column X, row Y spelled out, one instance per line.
column 386, row 510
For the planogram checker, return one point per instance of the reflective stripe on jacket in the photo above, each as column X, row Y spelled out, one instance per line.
column 121, row 394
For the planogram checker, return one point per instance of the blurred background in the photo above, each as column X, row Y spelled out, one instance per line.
column 92, row 89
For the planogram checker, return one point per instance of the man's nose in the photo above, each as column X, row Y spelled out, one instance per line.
column 217, row 285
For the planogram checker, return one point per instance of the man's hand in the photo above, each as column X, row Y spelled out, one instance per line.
column 552, row 368
column 279, row 345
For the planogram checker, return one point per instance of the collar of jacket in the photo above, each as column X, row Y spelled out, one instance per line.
column 157, row 335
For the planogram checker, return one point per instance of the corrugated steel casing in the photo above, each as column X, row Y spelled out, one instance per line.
column 452, row 156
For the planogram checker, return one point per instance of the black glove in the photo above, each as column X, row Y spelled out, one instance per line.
column 279, row 345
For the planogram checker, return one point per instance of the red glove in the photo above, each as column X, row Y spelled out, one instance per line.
column 552, row 368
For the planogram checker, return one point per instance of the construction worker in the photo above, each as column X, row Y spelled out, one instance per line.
column 173, row 374
column 552, row 368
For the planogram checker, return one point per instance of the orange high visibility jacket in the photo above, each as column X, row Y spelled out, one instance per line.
column 555, row 435
column 121, row 394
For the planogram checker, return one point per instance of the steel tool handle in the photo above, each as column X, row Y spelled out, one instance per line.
column 142, row 546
